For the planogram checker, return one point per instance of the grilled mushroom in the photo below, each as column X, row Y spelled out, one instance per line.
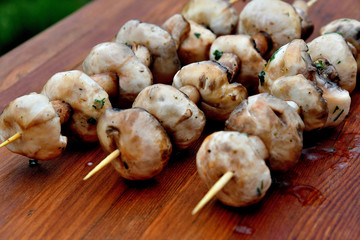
column 132, row 74
column 180, row 117
column 242, row 46
column 87, row 99
column 218, row 97
column 218, row 15
column 144, row 146
column 240, row 154
column 165, row 61
column 350, row 30
column 277, row 18
column 276, row 123
column 334, row 60
column 35, row 119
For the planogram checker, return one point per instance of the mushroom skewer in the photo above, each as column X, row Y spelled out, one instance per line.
column 143, row 154
column 11, row 139
column 239, row 159
column 139, row 146
column 23, row 123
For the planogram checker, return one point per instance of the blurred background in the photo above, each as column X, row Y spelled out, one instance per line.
column 22, row 19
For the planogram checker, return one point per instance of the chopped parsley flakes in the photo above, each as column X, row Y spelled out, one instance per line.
column 99, row 104
column 217, row 54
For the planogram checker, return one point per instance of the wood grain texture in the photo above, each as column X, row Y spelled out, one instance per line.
column 318, row 199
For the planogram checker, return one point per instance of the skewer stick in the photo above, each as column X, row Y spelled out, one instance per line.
column 233, row 1
column 11, row 139
column 311, row 2
column 103, row 163
column 213, row 191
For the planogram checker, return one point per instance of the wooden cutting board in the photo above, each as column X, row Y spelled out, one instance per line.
column 319, row 199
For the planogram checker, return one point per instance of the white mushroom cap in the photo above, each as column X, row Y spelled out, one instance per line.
column 288, row 76
column 159, row 42
column 349, row 29
column 87, row 99
column 35, row 119
column 144, row 146
column 277, row 18
column 289, row 60
column 333, row 48
column 218, row 97
column 307, row 95
column 241, row 45
column 218, row 15
column 180, row 117
column 338, row 101
column 241, row 154
column 196, row 46
column 276, row 123
column 118, row 58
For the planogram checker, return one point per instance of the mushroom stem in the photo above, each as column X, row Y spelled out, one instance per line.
column 192, row 92
column 213, row 191
column 263, row 42
column 11, row 139
column 63, row 110
column 103, row 163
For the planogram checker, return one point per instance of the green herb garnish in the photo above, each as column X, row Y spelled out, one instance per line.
column 197, row 35
column 273, row 56
column 338, row 62
column 258, row 189
column 262, row 78
column 340, row 33
column 320, row 65
column 336, row 108
column 99, row 104
column 217, row 54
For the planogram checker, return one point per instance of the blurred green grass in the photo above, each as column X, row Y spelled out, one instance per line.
column 22, row 19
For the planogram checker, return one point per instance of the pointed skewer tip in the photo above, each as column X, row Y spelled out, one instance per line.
column 103, row 163
column 213, row 191
column 11, row 139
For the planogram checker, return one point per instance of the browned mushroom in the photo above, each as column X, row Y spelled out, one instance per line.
column 239, row 159
column 350, row 30
column 180, row 117
column 218, row 15
column 142, row 146
column 218, row 97
column 34, row 120
column 276, row 123
column 165, row 61
column 86, row 98
column 280, row 20
column 122, row 72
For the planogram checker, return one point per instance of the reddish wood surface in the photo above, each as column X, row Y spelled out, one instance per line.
column 319, row 199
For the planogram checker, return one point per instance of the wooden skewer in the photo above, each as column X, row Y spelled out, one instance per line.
column 311, row 2
column 233, row 1
column 11, row 139
column 213, row 191
column 103, row 163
